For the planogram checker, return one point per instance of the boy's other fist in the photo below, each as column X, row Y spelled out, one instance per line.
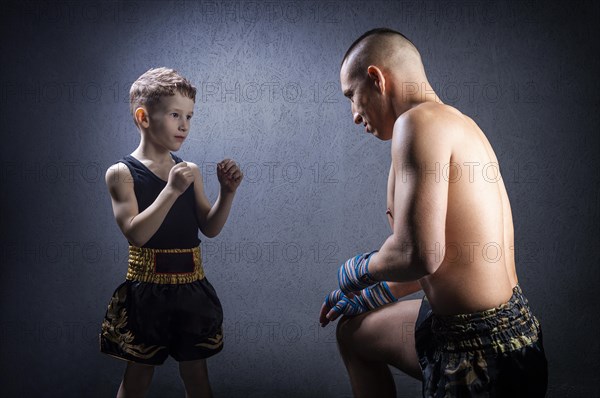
column 229, row 174
column 180, row 177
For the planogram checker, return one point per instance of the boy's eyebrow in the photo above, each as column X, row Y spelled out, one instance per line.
column 177, row 109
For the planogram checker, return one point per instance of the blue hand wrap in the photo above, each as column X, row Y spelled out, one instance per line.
column 370, row 298
column 354, row 273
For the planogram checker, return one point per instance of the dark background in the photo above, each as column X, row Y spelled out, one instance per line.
column 314, row 193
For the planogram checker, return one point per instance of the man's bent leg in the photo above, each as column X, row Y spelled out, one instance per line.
column 136, row 380
column 370, row 341
column 195, row 378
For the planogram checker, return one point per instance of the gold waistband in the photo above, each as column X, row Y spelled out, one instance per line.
column 142, row 266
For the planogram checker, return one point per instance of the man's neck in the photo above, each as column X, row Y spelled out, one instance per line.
column 402, row 107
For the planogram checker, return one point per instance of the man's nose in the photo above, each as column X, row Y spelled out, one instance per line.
column 357, row 118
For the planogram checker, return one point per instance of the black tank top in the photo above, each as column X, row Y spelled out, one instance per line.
column 179, row 228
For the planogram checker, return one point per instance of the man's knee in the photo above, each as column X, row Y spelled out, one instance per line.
column 345, row 332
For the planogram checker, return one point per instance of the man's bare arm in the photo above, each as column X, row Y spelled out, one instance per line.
column 137, row 228
column 398, row 289
column 401, row 289
column 421, row 143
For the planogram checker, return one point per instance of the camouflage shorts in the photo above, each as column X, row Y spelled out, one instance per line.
column 493, row 353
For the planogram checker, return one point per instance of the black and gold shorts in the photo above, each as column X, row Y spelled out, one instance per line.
column 166, row 306
column 497, row 352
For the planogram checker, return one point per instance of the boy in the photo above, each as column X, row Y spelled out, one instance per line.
column 166, row 306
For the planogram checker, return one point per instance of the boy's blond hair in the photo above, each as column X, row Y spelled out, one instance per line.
column 157, row 82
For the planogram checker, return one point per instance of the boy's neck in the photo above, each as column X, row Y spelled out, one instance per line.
column 151, row 152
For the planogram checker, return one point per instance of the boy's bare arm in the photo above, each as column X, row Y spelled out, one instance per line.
column 211, row 219
column 138, row 228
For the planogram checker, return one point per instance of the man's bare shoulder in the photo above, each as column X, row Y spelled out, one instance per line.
column 429, row 117
column 427, row 125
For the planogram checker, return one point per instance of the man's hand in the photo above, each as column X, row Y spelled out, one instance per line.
column 229, row 174
column 354, row 276
column 180, row 177
column 337, row 303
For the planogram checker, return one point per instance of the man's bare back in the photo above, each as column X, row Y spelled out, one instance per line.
column 478, row 270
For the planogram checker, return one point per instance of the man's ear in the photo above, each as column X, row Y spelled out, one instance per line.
column 377, row 77
column 141, row 117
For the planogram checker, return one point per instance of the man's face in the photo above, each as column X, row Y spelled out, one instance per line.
column 366, row 103
column 170, row 120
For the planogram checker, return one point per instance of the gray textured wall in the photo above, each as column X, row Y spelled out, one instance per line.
column 314, row 191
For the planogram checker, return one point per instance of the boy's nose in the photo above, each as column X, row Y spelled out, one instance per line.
column 357, row 118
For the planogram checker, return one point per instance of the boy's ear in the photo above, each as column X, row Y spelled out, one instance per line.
column 141, row 117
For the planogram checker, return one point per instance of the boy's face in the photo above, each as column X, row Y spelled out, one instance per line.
column 170, row 120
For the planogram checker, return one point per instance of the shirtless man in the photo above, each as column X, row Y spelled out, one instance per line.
column 473, row 333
